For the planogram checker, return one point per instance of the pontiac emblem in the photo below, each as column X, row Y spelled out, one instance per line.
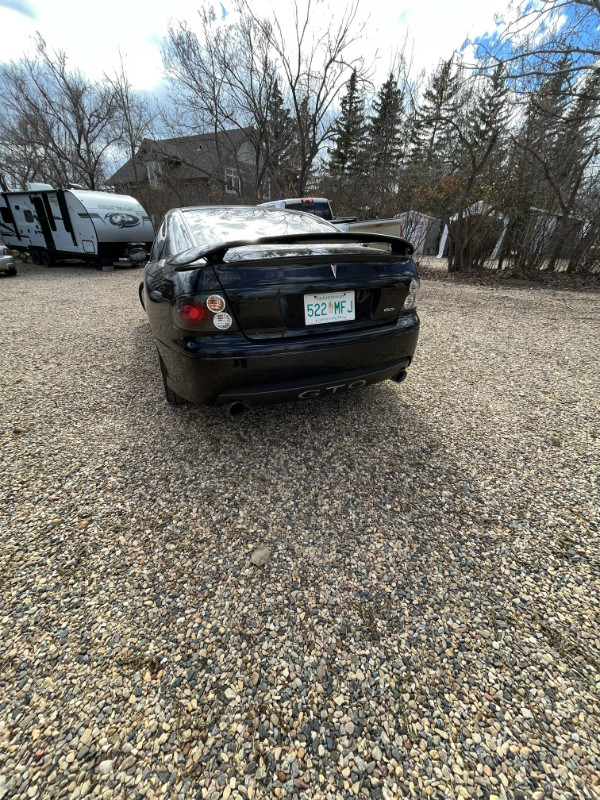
column 334, row 270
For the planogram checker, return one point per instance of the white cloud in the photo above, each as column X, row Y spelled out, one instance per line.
column 94, row 34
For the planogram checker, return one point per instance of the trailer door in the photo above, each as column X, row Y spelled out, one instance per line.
column 40, row 210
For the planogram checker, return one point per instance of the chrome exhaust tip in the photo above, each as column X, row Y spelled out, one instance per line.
column 237, row 408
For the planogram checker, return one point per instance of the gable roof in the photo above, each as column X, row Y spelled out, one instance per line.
column 201, row 155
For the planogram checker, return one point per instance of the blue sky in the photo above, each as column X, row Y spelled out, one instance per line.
column 96, row 36
column 583, row 22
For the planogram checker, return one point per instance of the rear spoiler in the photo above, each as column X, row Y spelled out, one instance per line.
column 214, row 255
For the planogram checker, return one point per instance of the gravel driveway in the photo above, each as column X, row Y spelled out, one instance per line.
column 427, row 624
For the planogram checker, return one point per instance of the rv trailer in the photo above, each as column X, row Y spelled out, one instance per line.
column 75, row 223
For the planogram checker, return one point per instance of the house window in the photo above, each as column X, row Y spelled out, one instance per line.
column 232, row 180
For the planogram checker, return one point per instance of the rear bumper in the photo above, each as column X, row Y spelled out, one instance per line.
column 270, row 372
column 304, row 390
column 7, row 264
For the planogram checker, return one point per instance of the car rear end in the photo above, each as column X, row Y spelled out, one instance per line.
column 261, row 323
column 7, row 261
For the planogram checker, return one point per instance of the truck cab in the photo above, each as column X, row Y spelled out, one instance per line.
column 319, row 206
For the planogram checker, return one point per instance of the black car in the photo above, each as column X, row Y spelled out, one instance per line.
column 254, row 305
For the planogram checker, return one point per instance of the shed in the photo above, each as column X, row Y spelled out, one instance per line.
column 421, row 230
column 482, row 210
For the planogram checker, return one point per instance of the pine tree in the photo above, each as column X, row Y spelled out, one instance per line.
column 488, row 115
column 279, row 143
column 432, row 136
column 553, row 151
column 346, row 157
column 384, row 139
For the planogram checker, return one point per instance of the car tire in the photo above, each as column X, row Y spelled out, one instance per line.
column 141, row 294
column 12, row 270
column 35, row 256
column 45, row 258
column 173, row 398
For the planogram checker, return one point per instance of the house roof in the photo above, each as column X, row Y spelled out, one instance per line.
column 201, row 155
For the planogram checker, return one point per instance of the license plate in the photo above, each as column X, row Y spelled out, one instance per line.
column 329, row 307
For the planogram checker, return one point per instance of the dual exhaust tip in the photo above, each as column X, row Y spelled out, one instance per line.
column 238, row 407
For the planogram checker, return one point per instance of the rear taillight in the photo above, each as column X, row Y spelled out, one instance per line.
column 193, row 312
column 204, row 313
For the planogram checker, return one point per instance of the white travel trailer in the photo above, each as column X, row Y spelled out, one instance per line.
column 75, row 223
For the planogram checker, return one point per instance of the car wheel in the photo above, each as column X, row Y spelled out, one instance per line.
column 141, row 294
column 12, row 270
column 35, row 256
column 173, row 398
column 45, row 258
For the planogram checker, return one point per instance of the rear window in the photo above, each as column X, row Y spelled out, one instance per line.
column 318, row 209
column 212, row 226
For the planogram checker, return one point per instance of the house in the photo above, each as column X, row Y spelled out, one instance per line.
column 206, row 168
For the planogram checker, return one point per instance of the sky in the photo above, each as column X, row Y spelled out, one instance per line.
column 96, row 35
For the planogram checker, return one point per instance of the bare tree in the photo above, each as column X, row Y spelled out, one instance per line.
column 57, row 120
column 249, row 73
column 135, row 122
column 315, row 66
column 555, row 153
column 226, row 82
column 540, row 35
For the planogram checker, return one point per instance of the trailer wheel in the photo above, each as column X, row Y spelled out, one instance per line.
column 35, row 256
column 45, row 258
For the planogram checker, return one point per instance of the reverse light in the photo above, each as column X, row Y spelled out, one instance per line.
column 222, row 321
column 193, row 312
column 413, row 291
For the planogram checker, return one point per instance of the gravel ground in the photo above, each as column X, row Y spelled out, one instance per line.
column 426, row 623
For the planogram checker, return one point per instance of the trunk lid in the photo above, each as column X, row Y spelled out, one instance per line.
column 268, row 289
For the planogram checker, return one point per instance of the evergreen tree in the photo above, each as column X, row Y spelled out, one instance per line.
column 488, row 116
column 384, row 139
column 553, row 151
column 346, row 157
column 538, row 141
column 432, row 136
column 279, row 141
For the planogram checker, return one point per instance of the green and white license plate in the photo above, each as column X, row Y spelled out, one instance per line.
column 329, row 307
